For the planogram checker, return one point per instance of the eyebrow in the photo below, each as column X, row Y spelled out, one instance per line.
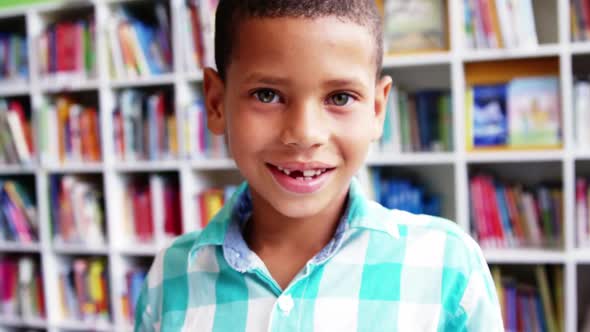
column 353, row 81
column 265, row 79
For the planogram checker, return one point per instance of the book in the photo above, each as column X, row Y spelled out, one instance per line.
column 16, row 136
column 403, row 33
column 582, row 114
column 489, row 118
column 199, row 142
column 210, row 201
column 21, row 291
column 14, row 66
column 534, row 112
column 18, row 214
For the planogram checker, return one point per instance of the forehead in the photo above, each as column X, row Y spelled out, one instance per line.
column 304, row 46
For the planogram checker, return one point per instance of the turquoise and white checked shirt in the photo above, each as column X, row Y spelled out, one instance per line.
column 384, row 270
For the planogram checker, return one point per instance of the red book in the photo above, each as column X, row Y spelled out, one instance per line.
column 197, row 35
column 66, row 39
column 143, row 217
column 40, row 296
column 495, row 212
column 172, row 210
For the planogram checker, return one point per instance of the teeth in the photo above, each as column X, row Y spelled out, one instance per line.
column 309, row 173
column 307, row 178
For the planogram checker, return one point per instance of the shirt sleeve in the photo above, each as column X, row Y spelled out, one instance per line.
column 479, row 304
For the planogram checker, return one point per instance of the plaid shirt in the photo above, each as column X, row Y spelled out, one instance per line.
column 384, row 270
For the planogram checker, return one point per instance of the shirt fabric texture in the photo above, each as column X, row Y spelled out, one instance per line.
column 384, row 270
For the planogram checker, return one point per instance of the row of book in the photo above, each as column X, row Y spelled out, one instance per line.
column 499, row 24
column 582, row 114
column 405, row 194
column 21, row 289
column 71, row 131
column 420, row 121
column 199, row 142
column 68, row 48
column 532, row 306
column 18, row 213
column 198, row 23
column 152, row 207
column 77, row 210
column 145, row 126
column 583, row 212
column 522, row 113
column 14, row 65
column 510, row 215
column 134, row 279
column 83, row 290
column 580, row 20
column 210, row 201
column 140, row 44
column 16, row 135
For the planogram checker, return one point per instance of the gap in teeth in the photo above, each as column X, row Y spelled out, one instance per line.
column 307, row 174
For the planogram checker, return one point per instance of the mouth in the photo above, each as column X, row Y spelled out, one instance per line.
column 301, row 178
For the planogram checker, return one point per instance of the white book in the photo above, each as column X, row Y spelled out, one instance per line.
column 93, row 218
column 582, row 114
column 75, row 133
column 525, row 18
column 115, row 47
column 18, row 136
column 157, row 202
column 25, row 280
column 190, row 49
column 507, row 30
column 207, row 16
column 52, row 152
column 531, row 219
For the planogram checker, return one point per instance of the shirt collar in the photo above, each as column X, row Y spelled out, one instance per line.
column 225, row 228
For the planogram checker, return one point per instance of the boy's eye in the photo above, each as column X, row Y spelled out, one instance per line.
column 266, row 96
column 340, row 99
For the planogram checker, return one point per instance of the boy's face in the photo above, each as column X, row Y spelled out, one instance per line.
column 300, row 96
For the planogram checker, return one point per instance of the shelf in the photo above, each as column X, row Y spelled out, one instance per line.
column 14, row 88
column 164, row 79
column 582, row 155
column 83, row 249
column 86, row 326
column 148, row 166
column 514, row 156
column 17, row 247
column 524, row 256
column 580, row 47
column 66, row 83
column 213, row 164
column 75, row 168
column 582, row 255
column 412, row 60
column 505, row 54
column 418, row 158
column 139, row 249
column 17, row 170
column 37, row 323
column 194, row 77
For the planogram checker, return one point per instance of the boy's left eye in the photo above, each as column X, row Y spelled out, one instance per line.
column 340, row 99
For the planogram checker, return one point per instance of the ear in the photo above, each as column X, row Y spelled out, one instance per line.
column 382, row 89
column 214, row 89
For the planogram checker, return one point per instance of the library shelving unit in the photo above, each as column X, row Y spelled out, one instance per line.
column 445, row 172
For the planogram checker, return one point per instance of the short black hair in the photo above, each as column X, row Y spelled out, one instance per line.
column 231, row 13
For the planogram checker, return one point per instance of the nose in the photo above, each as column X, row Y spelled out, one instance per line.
column 304, row 126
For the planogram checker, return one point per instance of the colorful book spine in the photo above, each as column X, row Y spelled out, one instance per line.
column 16, row 135
column 14, row 64
column 199, row 142
column 210, row 201
column 133, row 281
column 21, row 290
column 18, row 214
column 505, row 215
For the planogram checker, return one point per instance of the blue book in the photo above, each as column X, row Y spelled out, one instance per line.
column 511, row 306
column 427, row 113
column 137, row 280
column 6, row 207
column 376, row 183
column 52, row 49
column 24, row 63
column 490, row 121
column 145, row 36
column 540, row 314
column 54, row 190
column 503, row 209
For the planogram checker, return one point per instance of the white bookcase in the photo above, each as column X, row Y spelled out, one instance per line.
column 446, row 173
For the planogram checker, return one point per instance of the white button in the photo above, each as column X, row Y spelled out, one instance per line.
column 286, row 303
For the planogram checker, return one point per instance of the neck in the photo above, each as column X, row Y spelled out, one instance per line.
column 269, row 230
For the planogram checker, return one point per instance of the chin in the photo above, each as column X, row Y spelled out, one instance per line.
column 298, row 209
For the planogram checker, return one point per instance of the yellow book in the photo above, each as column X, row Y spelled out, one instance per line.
column 172, row 136
column 497, row 277
column 548, row 308
column 94, row 281
column 559, row 299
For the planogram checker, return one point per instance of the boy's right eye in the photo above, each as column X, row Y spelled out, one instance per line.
column 266, row 96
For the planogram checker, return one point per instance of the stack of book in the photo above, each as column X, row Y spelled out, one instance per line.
column 21, row 289
column 140, row 46
column 499, row 24
column 580, row 20
column 531, row 306
column 506, row 215
column 582, row 114
column 18, row 213
column 71, row 132
column 402, row 194
column 145, row 126
column 16, row 137
column 199, row 142
column 582, row 212
column 523, row 113
column 198, row 22
column 211, row 200
column 83, row 290
column 403, row 33
column 77, row 210
column 152, row 206
column 134, row 279
column 420, row 121
column 14, row 65
column 68, row 49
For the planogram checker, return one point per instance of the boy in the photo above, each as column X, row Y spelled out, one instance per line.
column 299, row 96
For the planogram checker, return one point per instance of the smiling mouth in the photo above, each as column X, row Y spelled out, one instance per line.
column 302, row 174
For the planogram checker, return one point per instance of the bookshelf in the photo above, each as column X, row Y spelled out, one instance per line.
column 444, row 172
